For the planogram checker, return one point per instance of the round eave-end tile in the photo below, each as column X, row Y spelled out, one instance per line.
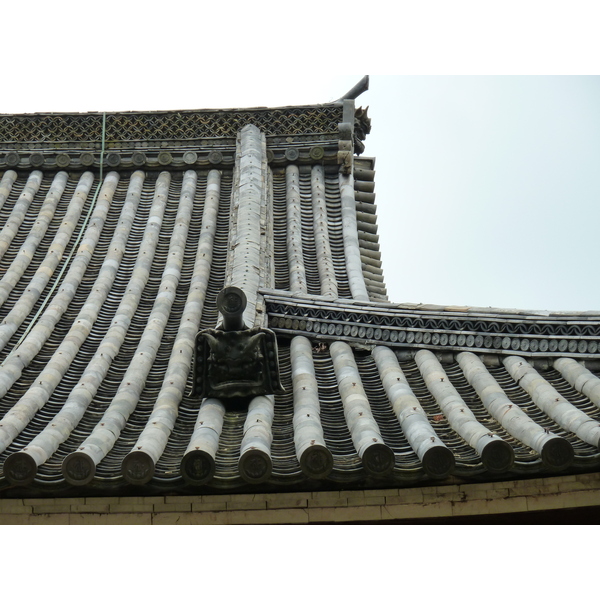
column 113, row 159
column 197, row 467
column 498, row 456
column 316, row 462
column 255, row 466
column 215, row 157
column 12, row 159
column 317, row 152
column 137, row 468
column 138, row 159
column 78, row 468
column 557, row 454
column 63, row 160
column 292, row 154
column 87, row 159
column 190, row 158
column 165, row 158
column 20, row 468
column 36, row 159
column 378, row 460
column 438, row 462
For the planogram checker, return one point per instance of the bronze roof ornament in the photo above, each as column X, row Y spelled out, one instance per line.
column 232, row 360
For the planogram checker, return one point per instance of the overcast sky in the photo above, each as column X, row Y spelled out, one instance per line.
column 488, row 187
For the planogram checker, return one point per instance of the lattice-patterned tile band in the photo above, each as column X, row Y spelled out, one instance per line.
column 500, row 336
column 161, row 126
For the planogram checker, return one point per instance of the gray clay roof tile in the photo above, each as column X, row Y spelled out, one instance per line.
column 108, row 276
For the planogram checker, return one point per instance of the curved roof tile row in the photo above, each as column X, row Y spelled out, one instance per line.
column 105, row 284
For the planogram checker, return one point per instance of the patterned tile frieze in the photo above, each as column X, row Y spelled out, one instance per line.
column 175, row 155
column 177, row 139
column 393, row 327
column 159, row 139
column 158, row 126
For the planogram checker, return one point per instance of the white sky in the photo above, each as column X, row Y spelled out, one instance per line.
column 488, row 189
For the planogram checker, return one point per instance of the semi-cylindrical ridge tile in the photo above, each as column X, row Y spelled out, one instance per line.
column 505, row 411
column 460, row 417
column 316, row 460
column 255, row 464
column 198, row 463
column 547, row 399
column 437, row 459
column 377, row 458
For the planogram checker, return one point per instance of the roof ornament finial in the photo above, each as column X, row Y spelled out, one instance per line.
column 357, row 90
column 233, row 361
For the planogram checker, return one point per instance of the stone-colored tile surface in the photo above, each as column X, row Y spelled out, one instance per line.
column 94, row 501
column 447, row 489
column 127, row 508
column 414, row 499
column 502, row 493
column 90, row 508
column 569, row 486
column 47, row 509
column 191, row 518
column 274, row 517
column 327, row 501
column 181, row 507
column 110, row 519
column 234, row 505
column 325, row 495
column 351, row 494
column 589, row 477
column 411, row 496
column 551, row 488
column 15, row 509
column 180, row 499
column 549, row 502
column 344, row 514
column 208, row 506
column 468, row 488
column 313, row 507
column 143, row 500
column 285, row 502
column 384, row 492
column 10, row 502
column 503, row 484
column 525, row 483
column 48, row 519
column 249, row 498
column 48, row 501
column 290, row 496
column 452, row 497
column 416, row 511
column 218, row 498
column 369, row 501
column 477, row 494
column 6, row 519
column 507, row 505
column 583, row 498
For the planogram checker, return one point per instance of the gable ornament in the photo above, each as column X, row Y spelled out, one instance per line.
column 232, row 362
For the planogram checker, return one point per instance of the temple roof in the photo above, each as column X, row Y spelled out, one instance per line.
column 119, row 230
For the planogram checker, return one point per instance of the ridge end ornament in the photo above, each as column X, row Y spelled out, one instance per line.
column 232, row 362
